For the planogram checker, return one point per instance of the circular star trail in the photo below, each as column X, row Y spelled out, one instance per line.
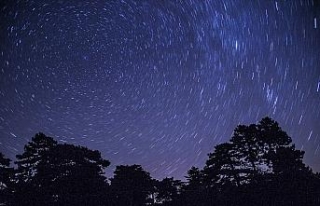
column 158, row 83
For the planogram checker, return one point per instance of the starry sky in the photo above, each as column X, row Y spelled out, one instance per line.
column 158, row 83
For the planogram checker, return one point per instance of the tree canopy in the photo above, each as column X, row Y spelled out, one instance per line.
column 259, row 165
column 52, row 174
column 131, row 185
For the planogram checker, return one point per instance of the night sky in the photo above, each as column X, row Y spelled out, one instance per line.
column 158, row 82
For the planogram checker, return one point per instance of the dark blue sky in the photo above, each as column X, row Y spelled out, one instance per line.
column 158, row 83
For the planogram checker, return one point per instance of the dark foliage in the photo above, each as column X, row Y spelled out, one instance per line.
column 259, row 166
column 167, row 191
column 59, row 174
column 131, row 185
column 6, row 180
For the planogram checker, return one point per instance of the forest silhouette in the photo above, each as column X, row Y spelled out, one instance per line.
column 259, row 165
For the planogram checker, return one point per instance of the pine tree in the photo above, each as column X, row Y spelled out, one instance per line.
column 28, row 161
column 131, row 185
column 6, row 180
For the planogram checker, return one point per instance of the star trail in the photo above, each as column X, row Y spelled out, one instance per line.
column 158, row 83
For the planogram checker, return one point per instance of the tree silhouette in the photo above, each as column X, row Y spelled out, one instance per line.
column 223, row 167
column 258, row 166
column 131, row 185
column 167, row 190
column 195, row 192
column 6, row 180
column 27, row 162
column 245, row 142
column 271, row 138
column 194, row 178
column 73, row 175
column 27, row 190
column 54, row 174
